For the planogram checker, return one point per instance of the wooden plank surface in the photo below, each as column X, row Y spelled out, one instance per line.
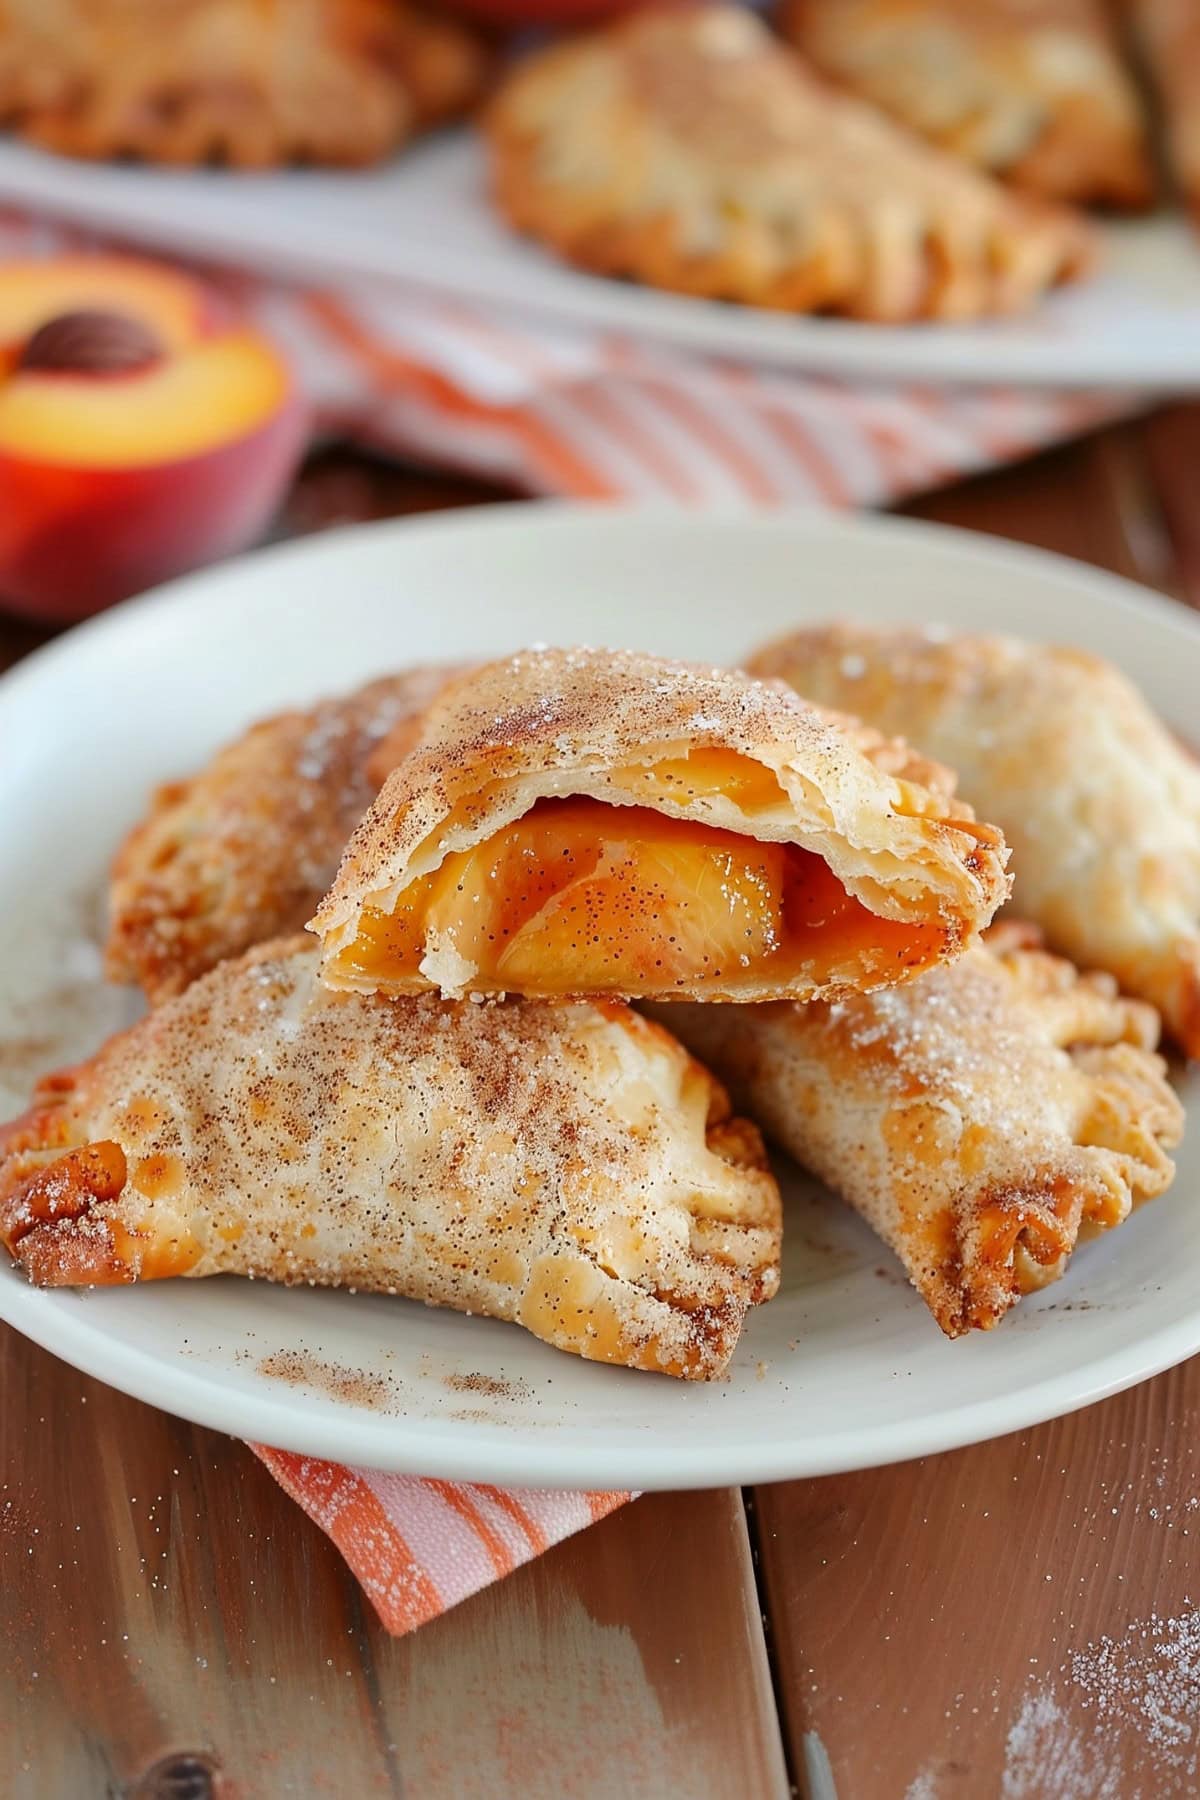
column 1019, row 1621
column 162, row 1603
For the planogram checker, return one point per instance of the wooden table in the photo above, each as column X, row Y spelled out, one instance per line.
column 1020, row 1620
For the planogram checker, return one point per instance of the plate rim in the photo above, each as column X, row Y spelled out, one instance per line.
column 437, row 1448
column 562, row 513
column 429, row 1452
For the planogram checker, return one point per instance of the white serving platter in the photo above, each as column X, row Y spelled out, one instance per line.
column 845, row 1368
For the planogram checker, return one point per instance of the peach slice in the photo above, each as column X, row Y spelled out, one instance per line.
column 600, row 893
column 581, row 897
column 142, row 431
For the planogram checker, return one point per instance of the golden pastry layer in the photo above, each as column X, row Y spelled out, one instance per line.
column 1035, row 93
column 691, row 150
column 244, row 850
column 1099, row 803
column 981, row 1118
column 248, row 82
column 569, row 1168
column 591, row 822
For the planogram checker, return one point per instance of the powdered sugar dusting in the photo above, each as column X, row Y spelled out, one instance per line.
column 417, row 1148
column 1149, row 1679
column 1140, row 1687
column 1045, row 1754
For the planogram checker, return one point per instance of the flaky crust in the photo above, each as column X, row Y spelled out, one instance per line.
column 567, row 1167
column 979, row 1118
column 548, row 723
column 244, row 850
column 1038, row 94
column 691, row 150
column 250, row 82
column 1099, row 803
column 1168, row 32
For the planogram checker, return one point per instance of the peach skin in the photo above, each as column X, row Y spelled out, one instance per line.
column 142, row 431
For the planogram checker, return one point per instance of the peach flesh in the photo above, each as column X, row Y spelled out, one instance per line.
column 75, row 540
column 114, row 479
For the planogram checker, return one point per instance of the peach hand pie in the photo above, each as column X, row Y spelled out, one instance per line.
column 1100, row 805
column 248, row 82
column 1169, row 35
column 981, row 1119
column 244, row 850
column 594, row 822
column 569, row 1168
column 1037, row 93
column 691, row 150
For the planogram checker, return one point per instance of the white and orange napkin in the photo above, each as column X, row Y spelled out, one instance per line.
column 566, row 410
column 581, row 413
column 419, row 1546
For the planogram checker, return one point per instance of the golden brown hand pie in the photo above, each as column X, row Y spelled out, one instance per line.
column 981, row 1118
column 1034, row 92
column 691, row 150
column 251, row 82
column 595, row 822
column 1100, row 805
column 244, row 850
column 567, row 1167
column 1168, row 32
column 35, row 67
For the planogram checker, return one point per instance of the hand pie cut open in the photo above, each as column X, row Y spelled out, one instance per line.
column 240, row 81
column 690, row 149
column 982, row 1118
column 244, row 850
column 567, row 1167
column 1036, row 93
column 595, row 822
column 1168, row 32
column 1099, row 803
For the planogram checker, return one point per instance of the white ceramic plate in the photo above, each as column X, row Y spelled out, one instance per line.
column 845, row 1368
column 423, row 218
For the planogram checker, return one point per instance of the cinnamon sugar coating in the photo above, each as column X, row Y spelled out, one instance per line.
column 635, row 730
column 569, row 1167
column 243, row 850
column 980, row 1118
column 1100, row 804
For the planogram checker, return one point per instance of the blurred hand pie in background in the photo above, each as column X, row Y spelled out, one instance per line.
column 183, row 81
column 1168, row 34
column 1035, row 93
column 693, row 151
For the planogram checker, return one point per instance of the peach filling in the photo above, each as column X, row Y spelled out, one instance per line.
column 581, row 897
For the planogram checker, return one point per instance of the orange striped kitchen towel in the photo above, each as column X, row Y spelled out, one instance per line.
column 419, row 1546
column 571, row 411
column 560, row 409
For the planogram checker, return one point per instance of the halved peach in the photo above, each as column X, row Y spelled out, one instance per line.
column 175, row 306
column 142, row 431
